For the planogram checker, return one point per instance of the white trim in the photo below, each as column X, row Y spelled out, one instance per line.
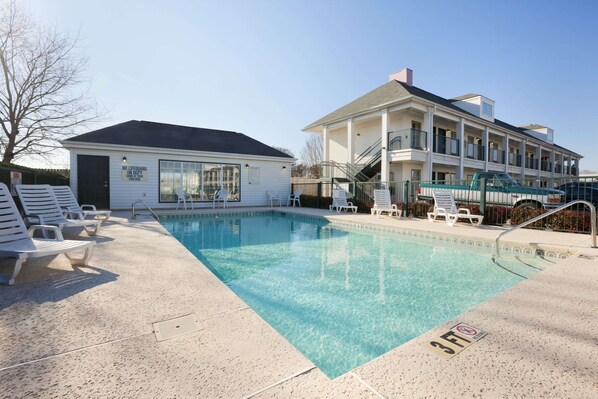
column 171, row 151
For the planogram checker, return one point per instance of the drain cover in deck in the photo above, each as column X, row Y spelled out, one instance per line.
column 176, row 327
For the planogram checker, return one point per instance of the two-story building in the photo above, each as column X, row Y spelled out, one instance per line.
column 399, row 132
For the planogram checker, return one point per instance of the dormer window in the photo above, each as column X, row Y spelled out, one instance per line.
column 487, row 109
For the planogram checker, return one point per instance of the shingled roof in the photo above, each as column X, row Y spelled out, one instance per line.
column 395, row 91
column 162, row 135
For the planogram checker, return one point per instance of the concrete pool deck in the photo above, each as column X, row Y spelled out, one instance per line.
column 88, row 331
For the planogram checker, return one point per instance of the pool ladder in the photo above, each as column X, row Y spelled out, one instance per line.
column 542, row 216
column 134, row 215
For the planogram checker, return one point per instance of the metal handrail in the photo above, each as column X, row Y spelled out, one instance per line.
column 542, row 216
column 146, row 206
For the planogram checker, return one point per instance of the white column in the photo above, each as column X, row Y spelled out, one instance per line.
column 522, row 153
column 505, row 143
column 384, row 175
column 539, row 157
column 429, row 127
column 461, row 138
column 350, row 149
column 486, row 143
column 552, row 160
column 325, row 144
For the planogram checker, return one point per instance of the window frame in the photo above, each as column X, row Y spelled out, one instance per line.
column 238, row 165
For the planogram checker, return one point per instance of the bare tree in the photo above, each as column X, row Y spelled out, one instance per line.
column 40, row 74
column 311, row 155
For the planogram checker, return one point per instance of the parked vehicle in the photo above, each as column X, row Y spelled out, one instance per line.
column 501, row 189
column 581, row 190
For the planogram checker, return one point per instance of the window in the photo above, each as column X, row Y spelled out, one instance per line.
column 487, row 109
column 201, row 180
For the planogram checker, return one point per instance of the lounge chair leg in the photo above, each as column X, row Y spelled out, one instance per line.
column 81, row 261
column 93, row 231
column 18, row 263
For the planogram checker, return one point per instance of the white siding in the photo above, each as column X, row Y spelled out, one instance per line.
column 124, row 193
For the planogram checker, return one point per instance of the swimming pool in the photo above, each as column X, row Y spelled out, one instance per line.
column 343, row 296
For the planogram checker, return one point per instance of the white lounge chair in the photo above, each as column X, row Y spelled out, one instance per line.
column 339, row 202
column 220, row 195
column 295, row 198
column 382, row 203
column 18, row 242
column 68, row 202
column 40, row 206
column 182, row 197
column 274, row 197
column 444, row 205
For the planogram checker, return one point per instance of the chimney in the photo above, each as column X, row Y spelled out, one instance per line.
column 404, row 75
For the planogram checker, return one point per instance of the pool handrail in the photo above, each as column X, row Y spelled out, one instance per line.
column 133, row 214
column 551, row 212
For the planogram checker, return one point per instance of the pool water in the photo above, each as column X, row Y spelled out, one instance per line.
column 343, row 296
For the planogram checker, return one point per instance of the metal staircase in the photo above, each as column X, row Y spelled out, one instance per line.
column 366, row 166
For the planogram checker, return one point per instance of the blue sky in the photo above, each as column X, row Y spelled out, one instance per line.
column 269, row 68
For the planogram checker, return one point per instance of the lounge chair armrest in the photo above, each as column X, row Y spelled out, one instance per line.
column 57, row 233
column 91, row 207
column 394, row 206
column 31, row 217
column 350, row 203
column 465, row 210
column 77, row 214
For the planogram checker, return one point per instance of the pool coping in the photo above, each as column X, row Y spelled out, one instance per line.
column 513, row 247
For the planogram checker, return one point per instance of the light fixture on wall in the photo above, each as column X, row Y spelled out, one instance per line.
column 246, row 166
column 284, row 168
column 358, row 134
column 124, row 159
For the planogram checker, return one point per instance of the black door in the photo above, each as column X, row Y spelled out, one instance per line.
column 93, row 180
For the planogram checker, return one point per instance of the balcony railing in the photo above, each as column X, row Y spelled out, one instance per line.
column 474, row 151
column 407, row 139
column 496, row 156
column 514, row 159
column 531, row 163
column 546, row 166
column 445, row 145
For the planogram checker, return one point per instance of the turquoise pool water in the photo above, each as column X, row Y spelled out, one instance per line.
column 342, row 296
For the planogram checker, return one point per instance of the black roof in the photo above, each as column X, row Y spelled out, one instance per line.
column 163, row 135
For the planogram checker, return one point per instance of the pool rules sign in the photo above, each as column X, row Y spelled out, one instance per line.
column 133, row 173
column 454, row 340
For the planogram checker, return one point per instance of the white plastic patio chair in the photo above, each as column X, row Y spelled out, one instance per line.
column 68, row 202
column 295, row 198
column 339, row 202
column 182, row 197
column 383, row 203
column 40, row 206
column 18, row 242
column 444, row 205
column 220, row 195
column 273, row 198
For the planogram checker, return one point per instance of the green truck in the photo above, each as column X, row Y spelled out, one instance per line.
column 501, row 189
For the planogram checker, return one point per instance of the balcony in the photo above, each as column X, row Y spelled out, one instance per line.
column 474, row 151
column 558, row 168
column 514, row 159
column 445, row 145
column 496, row 156
column 546, row 166
column 407, row 139
column 531, row 163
